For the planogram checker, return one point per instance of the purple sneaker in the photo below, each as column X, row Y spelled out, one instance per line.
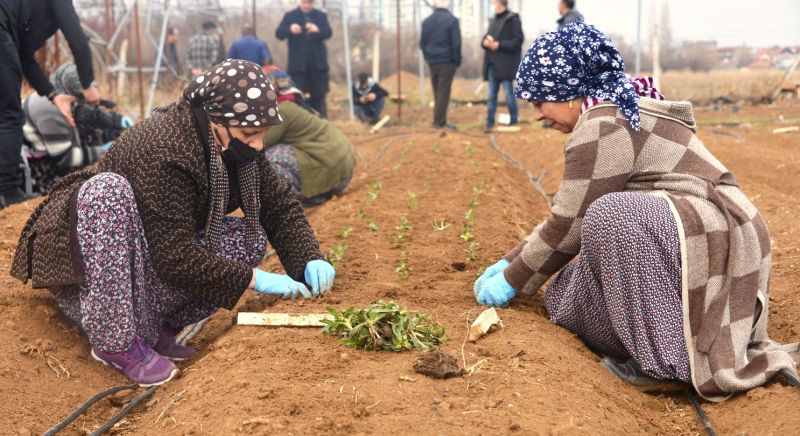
column 139, row 363
column 169, row 348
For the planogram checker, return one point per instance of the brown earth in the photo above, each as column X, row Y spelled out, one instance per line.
column 530, row 377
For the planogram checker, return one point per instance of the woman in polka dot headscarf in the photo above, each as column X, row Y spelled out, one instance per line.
column 139, row 245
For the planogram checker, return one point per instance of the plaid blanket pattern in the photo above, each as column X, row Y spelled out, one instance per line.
column 725, row 243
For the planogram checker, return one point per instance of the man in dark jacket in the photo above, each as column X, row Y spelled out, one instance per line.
column 440, row 43
column 307, row 29
column 25, row 26
column 568, row 13
column 503, row 47
column 368, row 98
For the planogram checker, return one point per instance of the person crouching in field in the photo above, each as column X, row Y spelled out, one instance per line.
column 139, row 245
column 307, row 151
column 674, row 260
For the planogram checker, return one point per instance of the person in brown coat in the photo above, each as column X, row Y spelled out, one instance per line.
column 139, row 245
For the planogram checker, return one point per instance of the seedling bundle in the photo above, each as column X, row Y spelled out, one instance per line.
column 384, row 326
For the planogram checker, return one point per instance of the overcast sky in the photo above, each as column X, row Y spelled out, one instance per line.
column 755, row 23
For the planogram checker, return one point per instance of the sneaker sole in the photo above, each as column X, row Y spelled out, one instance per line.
column 652, row 386
column 144, row 385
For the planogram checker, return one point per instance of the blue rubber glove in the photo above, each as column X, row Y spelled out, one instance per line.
column 107, row 146
column 493, row 270
column 496, row 292
column 319, row 275
column 126, row 123
column 278, row 285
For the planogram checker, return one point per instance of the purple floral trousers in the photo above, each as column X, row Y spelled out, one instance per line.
column 122, row 296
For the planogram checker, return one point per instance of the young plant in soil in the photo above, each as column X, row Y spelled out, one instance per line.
column 472, row 251
column 344, row 233
column 373, row 189
column 400, row 239
column 440, row 225
column 335, row 254
column 466, row 230
column 384, row 326
column 402, row 268
column 437, row 148
column 412, row 200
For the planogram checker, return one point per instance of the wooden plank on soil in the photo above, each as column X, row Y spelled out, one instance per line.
column 282, row 319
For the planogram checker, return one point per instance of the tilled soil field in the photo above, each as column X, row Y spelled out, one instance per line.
column 531, row 377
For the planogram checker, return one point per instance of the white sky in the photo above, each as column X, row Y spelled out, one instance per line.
column 755, row 23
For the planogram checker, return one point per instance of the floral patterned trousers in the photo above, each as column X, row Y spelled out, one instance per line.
column 622, row 295
column 122, row 296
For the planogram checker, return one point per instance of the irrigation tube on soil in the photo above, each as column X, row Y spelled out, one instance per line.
column 82, row 408
column 534, row 181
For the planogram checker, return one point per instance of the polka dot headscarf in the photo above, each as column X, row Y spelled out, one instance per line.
column 235, row 93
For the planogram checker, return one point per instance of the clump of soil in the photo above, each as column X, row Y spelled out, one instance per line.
column 436, row 363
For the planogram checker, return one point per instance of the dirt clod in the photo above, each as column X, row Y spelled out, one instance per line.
column 459, row 266
column 121, row 398
column 439, row 364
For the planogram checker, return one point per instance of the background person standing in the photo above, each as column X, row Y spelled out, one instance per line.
column 250, row 48
column 568, row 13
column 440, row 43
column 203, row 50
column 307, row 28
column 502, row 47
column 25, row 26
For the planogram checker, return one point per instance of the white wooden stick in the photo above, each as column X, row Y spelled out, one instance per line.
column 282, row 319
column 380, row 124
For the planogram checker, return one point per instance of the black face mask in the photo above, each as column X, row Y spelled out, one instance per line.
column 237, row 153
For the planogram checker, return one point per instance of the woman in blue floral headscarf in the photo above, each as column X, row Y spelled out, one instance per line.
column 672, row 275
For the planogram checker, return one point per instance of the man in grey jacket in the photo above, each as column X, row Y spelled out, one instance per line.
column 440, row 43
column 568, row 13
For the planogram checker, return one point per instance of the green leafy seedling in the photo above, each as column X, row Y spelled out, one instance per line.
column 344, row 233
column 412, row 200
column 335, row 254
column 437, row 148
column 472, row 251
column 399, row 241
column 372, row 226
column 384, row 326
column 404, row 225
column 402, row 269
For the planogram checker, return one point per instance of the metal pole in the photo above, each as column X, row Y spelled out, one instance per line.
column 420, row 58
column 399, row 65
column 57, row 49
column 138, row 57
column 255, row 20
column 639, row 38
column 108, row 48
column 347, row 67
column 159, row 56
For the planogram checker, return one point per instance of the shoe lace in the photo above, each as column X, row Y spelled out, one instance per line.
column 140, row 351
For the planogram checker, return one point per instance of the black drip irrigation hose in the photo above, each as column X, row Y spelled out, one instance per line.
column 136, row 400
column 700, row 413
column 97, row 397
column 82, row 408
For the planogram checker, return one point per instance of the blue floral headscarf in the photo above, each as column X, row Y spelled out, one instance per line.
column 577, row 60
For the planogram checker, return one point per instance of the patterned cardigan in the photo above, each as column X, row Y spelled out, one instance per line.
column 165, row 159
column 725, row 245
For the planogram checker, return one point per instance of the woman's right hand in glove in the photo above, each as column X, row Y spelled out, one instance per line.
column 490, row 272
column 277, row 285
